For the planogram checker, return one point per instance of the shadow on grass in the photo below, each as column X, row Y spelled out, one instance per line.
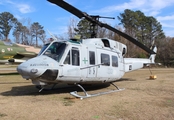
column 58, row 89
column 31, row 90
column 126, row 79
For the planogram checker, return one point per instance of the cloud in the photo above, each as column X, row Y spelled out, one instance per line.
column 150, row 7
column 62, row 19
column 133, row 4
column 169, row 32
column 160, row 4
column 18, row 17
column 24, row 8
column 167, row 24
column 60, row 31
column 165, row 18
column 21, row 7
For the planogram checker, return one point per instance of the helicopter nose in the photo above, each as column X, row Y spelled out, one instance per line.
column 37, row 67
column 21, row 70
column 27, row 72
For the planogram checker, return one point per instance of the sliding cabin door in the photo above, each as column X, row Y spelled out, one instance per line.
column 104, row 70
column 109, row 68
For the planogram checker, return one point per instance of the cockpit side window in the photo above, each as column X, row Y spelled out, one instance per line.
column 75, row 57
column 67, row 59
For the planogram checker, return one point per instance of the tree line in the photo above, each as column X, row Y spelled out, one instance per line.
column 146, row 29
column 29, row 34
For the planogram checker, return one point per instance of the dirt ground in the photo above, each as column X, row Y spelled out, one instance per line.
column 142, row 99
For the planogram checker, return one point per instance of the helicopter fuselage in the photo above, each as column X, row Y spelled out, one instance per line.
column 94, row 60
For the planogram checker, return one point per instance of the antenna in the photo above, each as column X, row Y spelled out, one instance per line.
column 52, row 35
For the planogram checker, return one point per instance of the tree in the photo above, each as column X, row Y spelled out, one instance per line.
column 83, row 28
column 42, row 36
column 21, row 34
column 25, row 34
column 7, row 21
column 16, row 32
column 129, row 23
column 154, row 31
column 1, row 36
column 72, row 27
column 37, row 31
column 166, row 51
column 143, row 28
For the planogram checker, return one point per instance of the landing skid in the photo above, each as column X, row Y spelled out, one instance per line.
column 74, row 93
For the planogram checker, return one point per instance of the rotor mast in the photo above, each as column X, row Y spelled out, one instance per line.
column 94, row 26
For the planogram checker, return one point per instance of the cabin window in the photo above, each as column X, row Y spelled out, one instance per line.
column 114, row 61
column 105, row 59
column 75, row 56
column 91, row 58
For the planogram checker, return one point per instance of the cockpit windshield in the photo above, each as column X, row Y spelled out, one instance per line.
column 43, row 49
column 55, row 50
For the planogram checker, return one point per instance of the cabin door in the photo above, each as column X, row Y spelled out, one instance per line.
column 71, row 67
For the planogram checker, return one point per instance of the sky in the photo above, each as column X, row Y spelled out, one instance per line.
column 56, row 19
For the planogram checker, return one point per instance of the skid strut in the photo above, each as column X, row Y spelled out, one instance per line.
column 74, row 93
column 41, row 88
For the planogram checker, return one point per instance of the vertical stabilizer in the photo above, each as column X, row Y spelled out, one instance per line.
column 152, row 56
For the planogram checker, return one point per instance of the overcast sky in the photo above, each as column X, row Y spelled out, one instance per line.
column 56, row 19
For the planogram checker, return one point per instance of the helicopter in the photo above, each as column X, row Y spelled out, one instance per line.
column 88, row 61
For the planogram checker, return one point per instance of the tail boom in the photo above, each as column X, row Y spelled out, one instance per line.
column 137, row 63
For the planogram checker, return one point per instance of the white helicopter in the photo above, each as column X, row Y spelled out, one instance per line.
column 88, row 61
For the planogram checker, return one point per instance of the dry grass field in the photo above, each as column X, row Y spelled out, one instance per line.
column 142, row 99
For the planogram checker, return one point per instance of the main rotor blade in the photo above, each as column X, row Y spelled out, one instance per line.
column 81, row 14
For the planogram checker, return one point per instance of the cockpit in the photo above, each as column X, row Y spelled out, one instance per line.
column 54, row 50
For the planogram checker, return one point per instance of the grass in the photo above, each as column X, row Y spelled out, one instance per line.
column 142, row 99
column 8, row 66
column 2, row 115
column 67, row 101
